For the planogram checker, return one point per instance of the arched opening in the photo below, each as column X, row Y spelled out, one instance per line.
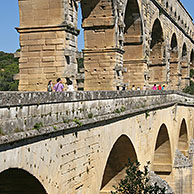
column 162, row 164
column 157, row 66
column 80, row 46
column 100, row 55
column 191, row 67
column 184, row 68
column 133, row 46
column 184, row 51
column 115, row 166
column 79, row 26
column 18, row 181
column 183, row 145
column 174, row 65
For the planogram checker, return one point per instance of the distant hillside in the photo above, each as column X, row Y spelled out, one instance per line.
column 9, row 66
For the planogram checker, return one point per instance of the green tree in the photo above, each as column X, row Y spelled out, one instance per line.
column 190, row 89
column 137, row 181
column 9, row 66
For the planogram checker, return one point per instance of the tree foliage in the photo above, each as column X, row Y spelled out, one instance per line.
column 9, row 66
column 190, row 89
column 137, row 181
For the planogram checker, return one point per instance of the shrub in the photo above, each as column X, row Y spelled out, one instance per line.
column 137, row 181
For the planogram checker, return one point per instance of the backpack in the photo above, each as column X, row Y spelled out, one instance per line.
column 49, row 88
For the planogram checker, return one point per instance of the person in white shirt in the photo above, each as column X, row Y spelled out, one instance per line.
column 70, row 87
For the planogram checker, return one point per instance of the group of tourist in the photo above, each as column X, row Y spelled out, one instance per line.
column 59, row 87
column 159, row 87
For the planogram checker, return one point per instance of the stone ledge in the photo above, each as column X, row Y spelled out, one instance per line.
column 10, row 99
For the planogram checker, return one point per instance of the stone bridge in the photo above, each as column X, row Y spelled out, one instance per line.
column 127, row 42
column 79, row 142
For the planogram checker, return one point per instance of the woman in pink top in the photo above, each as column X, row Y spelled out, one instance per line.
column 154, row 87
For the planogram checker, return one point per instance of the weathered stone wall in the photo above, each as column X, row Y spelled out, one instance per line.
column 24, row 111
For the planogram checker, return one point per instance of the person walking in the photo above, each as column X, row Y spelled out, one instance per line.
column 154, row 87
column 50, row 86
column 133, row 87
column 163, row 87
column 69, row 85
column 144, row 87
column 59, row 87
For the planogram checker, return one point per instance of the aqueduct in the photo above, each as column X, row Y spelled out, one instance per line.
column 127, row 42
column 79, row 142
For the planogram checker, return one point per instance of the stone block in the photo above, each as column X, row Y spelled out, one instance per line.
column 51, row 64
column 23, row 60
column 34, row 59
column 50, row 70
column 49, row 47
column 35, row 71
column 48, row 59
column 54, row 41
column 60, row 47
column 35, row 36
column 29, row 65
column 60, row 58
column 35, row 48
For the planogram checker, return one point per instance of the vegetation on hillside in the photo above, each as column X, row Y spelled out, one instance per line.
column 9, row 66
column 190, row 89
column 137, row 181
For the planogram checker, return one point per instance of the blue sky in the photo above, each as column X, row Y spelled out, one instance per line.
column 9, row 14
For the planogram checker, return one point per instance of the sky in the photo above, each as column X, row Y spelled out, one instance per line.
column 9, row 19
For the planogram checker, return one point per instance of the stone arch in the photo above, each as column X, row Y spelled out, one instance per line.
column 184, row 67
column 162, row 163
column 174, row 63
column 183, row 144
column 115, row 165
column 157, row 66
column 100, row 55
column 133, row 45
column 15, row 180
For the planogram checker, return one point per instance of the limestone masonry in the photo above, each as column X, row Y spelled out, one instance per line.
column 79, row 142
column 127, row 42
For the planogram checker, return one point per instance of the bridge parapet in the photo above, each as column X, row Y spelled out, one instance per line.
column 29, row 114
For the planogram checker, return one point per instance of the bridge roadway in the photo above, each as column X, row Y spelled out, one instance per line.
column 79, row 142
